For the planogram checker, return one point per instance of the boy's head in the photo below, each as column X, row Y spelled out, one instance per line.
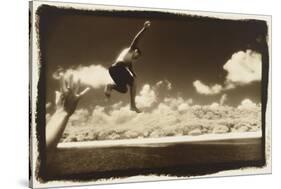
column 136, row 53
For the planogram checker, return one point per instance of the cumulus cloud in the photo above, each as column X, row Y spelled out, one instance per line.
column 117, row 105
column 95, row 76
column 173, row 101
column 150, row 94
column 122, row 115
column 205, row 89
column 183, row 107
column 242, row 68
column 99, row 116
column 177, row 103
column 164, row 120
column 214, row 105
column 167, row 84
column 146, row 97
column 247, row 104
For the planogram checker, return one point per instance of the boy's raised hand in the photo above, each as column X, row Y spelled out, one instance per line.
column 69, row 94
column 147, row 24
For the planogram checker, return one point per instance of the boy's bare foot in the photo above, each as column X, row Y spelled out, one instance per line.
column 135, row 109
column 107, row 91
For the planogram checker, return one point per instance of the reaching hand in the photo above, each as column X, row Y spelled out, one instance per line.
column 147, row 24
column 69, row 95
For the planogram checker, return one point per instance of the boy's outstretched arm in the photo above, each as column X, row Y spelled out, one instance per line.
column 135, row 41
column 66, row 103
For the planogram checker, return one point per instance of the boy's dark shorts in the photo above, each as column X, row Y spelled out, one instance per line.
column 121, row 76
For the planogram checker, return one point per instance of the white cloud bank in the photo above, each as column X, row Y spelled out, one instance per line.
column 95, row 76
column 242, row 68
column 170, row 117
column 161, row 116
column 205, row 89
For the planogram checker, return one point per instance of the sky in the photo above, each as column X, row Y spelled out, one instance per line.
column 198, row 59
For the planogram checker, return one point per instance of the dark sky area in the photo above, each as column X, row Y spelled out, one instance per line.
column 178, row 48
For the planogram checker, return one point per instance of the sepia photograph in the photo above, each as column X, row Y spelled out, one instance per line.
column 127, row 94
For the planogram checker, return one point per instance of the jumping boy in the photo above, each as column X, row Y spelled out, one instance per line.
column 122, row 71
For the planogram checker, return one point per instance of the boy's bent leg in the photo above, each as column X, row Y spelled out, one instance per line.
column 120, row 88
column 133, row 89
column 107, row 90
